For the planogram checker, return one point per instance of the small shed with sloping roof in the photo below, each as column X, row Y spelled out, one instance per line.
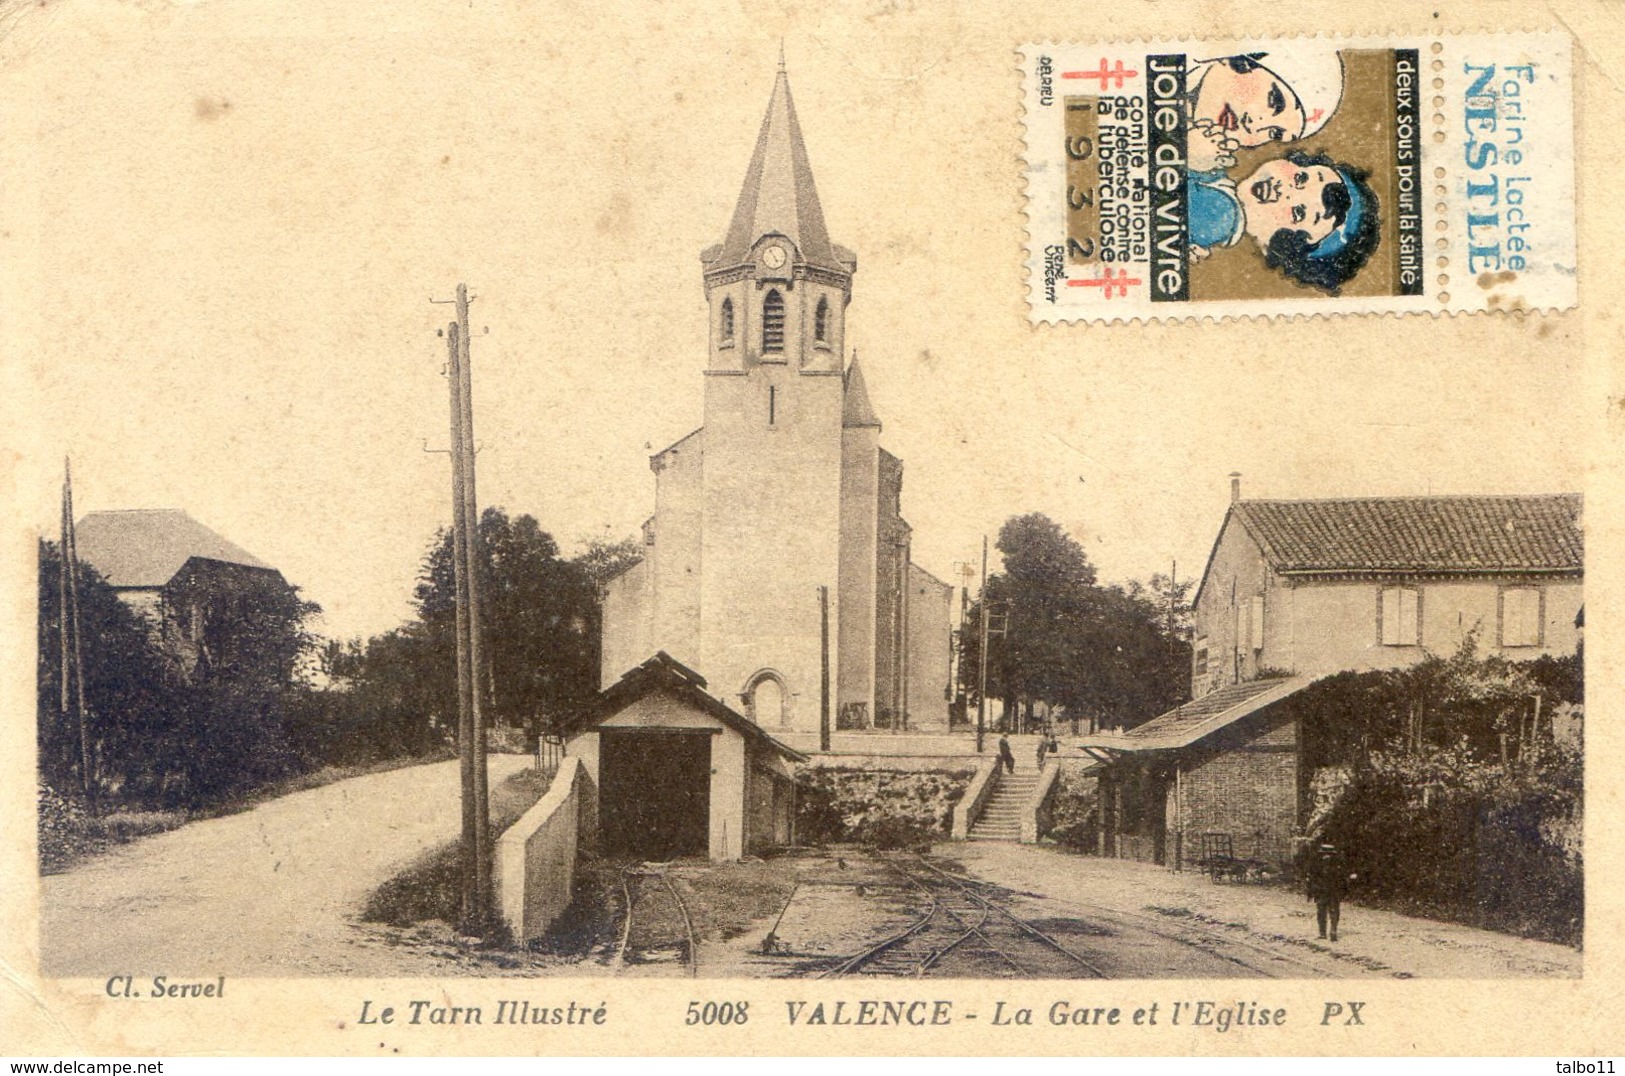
column 1222, row 771
column 673, row 771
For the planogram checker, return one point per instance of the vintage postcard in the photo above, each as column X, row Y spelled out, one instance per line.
column 1300, row 175
column 553, row 531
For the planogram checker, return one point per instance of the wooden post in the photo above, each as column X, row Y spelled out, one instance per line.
column 481, row 918
column 823, row 680
column 981, row 672
column 465, row 682
column 69, row 615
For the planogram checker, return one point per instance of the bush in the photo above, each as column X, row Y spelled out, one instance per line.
column 880, row 808
column 68, row 832
column 64, row 829
column 1447, row 787
column 1075, row 812
column 1441, row 835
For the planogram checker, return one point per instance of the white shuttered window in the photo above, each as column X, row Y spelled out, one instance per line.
column 1520, row 616
column 1400, row 606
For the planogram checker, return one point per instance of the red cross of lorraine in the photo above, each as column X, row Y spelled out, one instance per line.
column 1107, row 282
column 1103, row 74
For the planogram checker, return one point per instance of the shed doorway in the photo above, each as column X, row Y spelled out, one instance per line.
column 655, row 792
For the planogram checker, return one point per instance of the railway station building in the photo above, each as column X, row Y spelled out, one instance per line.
column 1218, row 774
column 1295, row 591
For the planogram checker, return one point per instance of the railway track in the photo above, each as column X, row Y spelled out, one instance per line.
column 962, row 934
column 656, row 927
column 1267, row 962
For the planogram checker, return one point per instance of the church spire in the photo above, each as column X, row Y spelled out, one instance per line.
column 856, row 410
column 779, row 194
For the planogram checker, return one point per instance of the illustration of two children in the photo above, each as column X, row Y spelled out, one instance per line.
column 1314, row 219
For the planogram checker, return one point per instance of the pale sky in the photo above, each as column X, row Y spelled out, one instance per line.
column 241, row 218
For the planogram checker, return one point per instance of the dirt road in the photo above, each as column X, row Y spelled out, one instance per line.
column 269, row 892
column 1266, row 928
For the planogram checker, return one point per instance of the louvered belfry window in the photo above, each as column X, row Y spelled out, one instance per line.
column 821, row 322
column 727, row 327
column 773, row 322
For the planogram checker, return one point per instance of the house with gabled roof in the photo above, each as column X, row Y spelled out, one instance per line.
column 1298, row 590
column 174, row 571
column 1316, row 587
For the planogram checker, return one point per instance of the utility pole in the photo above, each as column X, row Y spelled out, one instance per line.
column 459, row 571
column 1173, row 593
column 471, row 517
column 73, row 661
column 981, row 672
column 64, row 639
column 476, row 887
column 823, row 680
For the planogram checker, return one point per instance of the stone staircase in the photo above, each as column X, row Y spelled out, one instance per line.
column 1001, row 818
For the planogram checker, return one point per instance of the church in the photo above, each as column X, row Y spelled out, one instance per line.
column 784, row 500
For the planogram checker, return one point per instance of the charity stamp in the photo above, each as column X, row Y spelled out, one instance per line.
column 1285, row 176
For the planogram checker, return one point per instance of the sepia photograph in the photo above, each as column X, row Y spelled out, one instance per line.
column 588, row 521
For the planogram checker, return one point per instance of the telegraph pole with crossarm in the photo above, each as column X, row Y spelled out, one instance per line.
column 476, row 812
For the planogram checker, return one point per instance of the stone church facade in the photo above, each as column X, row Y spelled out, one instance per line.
column 784, row 490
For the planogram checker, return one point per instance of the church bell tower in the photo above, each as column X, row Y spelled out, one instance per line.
column 776, row 292
column 777, row 288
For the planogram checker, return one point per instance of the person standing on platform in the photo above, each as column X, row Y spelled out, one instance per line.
column 1328, row 883
column 1007, row 756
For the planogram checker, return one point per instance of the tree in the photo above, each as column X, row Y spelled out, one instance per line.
column 1172, row 597
column 128, row 722
column 384, row 699
column 186, row 707
column 539, row 617
column 1044, row 591
column 249, row 630
column 1447, row 792
column 1137, row 670
column 603, row 559
column 1104, row 653
column 397, row 693
column 249, row 633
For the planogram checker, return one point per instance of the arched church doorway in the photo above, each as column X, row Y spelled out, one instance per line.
column 766, row 700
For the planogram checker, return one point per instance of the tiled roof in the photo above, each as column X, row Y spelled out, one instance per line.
column 1204, row 716
column 146, row 547
column 1419, row 534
